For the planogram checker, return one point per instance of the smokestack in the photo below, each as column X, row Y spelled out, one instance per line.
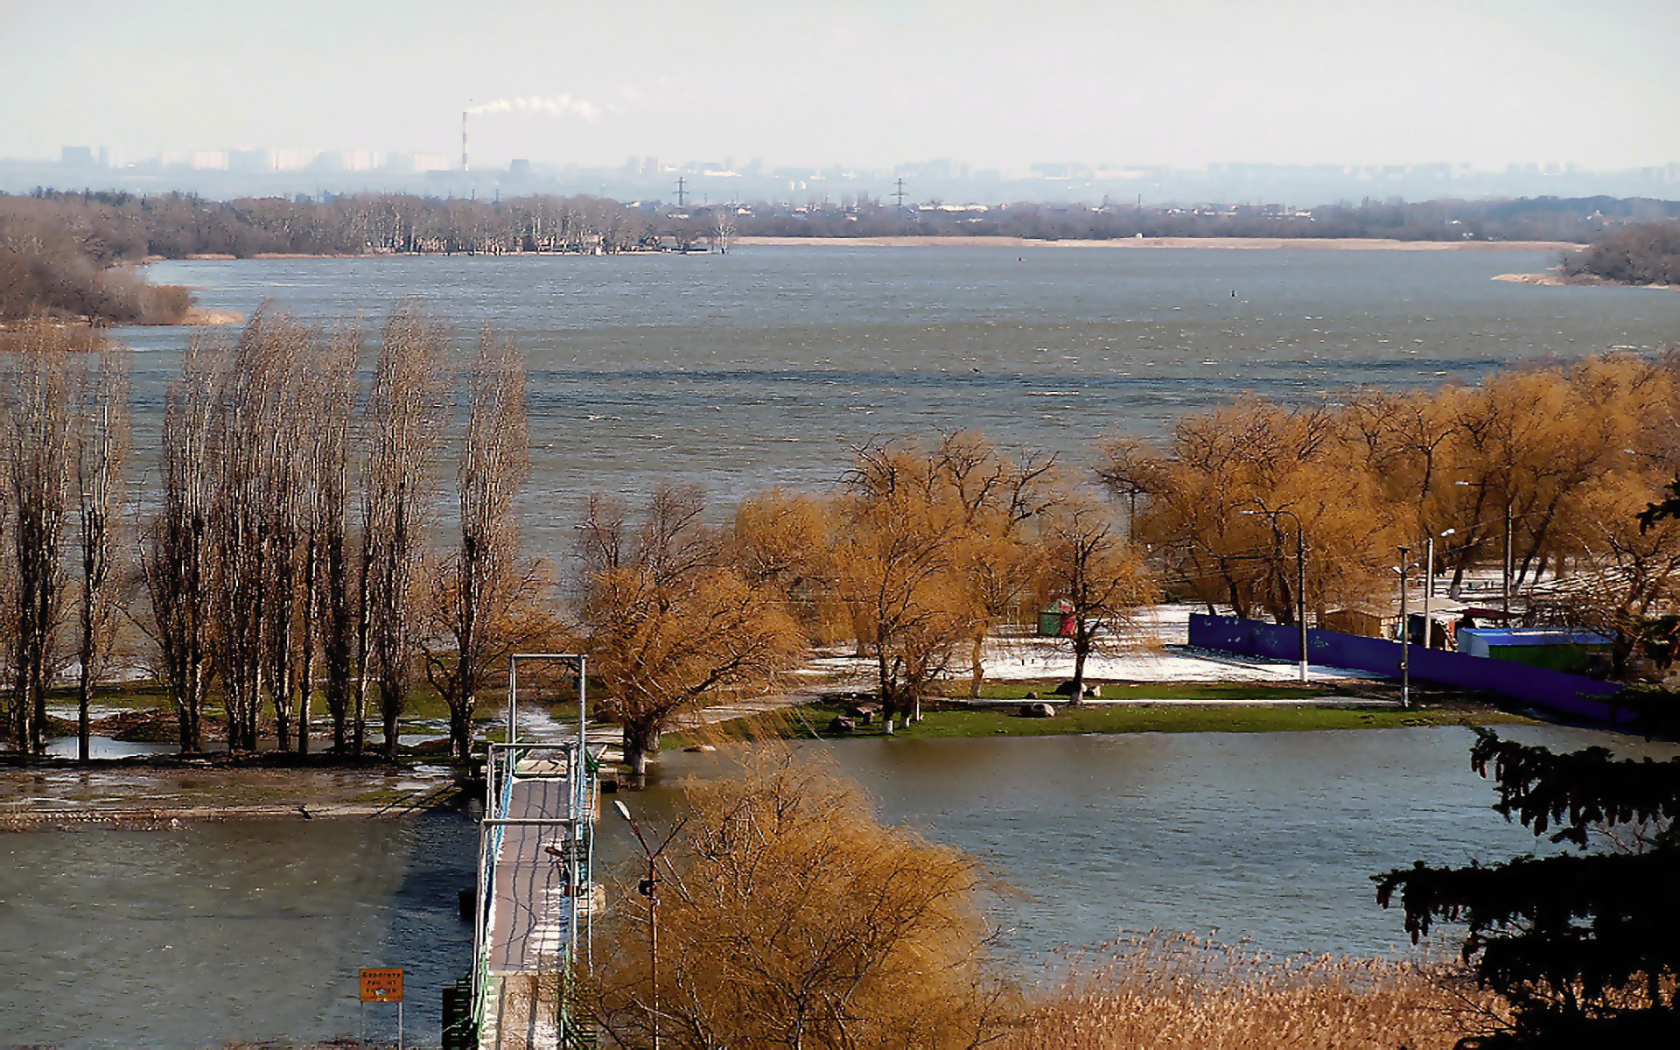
column 463, row 140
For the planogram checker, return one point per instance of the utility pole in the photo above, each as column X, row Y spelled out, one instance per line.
column 650, row 889
column 1405, row 635
column 1506, row 602
column 681, row 192
column 1300, row 572
column 1429, row 588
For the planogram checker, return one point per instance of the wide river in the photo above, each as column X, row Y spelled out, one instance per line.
column 766, row 366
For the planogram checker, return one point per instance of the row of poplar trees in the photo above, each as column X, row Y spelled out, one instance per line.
column 292, row 539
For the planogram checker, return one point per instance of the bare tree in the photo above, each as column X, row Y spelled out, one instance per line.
column 331, row 612
column 1101, row 578
column 176, row 556
column 101, row 454
column 405, row 414
column 39, row 448
column 253, row 524
column 477, row 587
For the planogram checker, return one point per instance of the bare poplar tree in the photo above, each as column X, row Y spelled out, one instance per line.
column 39, row 445
column 405, row 414
column 329, row 573
column 176, row 555
column 285, row 480
column 101, row 454
column 251, row 381
column 478, row 585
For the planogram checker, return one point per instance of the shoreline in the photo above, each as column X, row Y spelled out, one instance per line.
column 965, row 241
column 1558, row 280
column 1249, row 243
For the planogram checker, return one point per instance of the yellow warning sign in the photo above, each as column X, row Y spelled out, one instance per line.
column 382, row 986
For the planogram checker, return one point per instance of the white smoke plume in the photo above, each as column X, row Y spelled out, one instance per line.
column 555, row 106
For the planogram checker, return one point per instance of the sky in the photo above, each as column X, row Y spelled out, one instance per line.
column 862, row 83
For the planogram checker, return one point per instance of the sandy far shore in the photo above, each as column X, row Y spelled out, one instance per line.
column 1557, row 280
column 210, row 318
column 1338, row 243
column 65, row 818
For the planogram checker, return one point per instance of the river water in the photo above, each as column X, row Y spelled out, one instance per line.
column 765, row 366
column 207, row 933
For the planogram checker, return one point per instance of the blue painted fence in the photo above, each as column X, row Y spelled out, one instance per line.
column 1567, row 694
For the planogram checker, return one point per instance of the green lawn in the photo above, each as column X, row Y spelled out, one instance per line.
column 962, row 720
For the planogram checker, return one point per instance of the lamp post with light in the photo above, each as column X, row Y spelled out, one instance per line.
column 650, row 889
column 1405, row 634
column 1429, row 584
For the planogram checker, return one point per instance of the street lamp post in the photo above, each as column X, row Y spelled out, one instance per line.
column 1300, row 576
column 650, row 888
column 1429, row 585
column 1405, row 634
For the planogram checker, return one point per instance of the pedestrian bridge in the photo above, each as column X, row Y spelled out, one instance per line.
column 535, row 897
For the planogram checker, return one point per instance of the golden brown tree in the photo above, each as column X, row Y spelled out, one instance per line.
column 790, row 917
column 1100, row 575
column 670, row 623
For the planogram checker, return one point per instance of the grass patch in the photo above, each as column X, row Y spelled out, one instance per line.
column 952, row 720
column 1158, row 691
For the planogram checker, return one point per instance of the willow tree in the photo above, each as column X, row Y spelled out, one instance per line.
column 789, row 916
column 670, row 622
column 933, row 549
column 1099, row 574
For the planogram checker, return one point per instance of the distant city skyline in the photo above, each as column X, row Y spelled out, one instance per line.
column 261, row 172
column 870, row 84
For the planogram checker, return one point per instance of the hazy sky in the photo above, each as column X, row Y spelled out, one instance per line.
column 867, row 83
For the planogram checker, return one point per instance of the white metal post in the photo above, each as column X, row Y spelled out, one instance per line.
column 1405, row 634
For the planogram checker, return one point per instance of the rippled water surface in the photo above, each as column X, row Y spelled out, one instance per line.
column 1268, row 836
column 765, row 366
column 214, row 932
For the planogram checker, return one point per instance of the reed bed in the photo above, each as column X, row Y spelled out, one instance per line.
column 1167, row 991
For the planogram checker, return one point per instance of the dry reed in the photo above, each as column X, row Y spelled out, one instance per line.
column 1161, row 991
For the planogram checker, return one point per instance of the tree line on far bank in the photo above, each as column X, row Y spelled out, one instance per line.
column 1648, row 253
column 68, row 253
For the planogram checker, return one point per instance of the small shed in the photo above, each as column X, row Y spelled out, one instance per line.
column 1557, row 648
column 1056, row 620
column 1355, row 621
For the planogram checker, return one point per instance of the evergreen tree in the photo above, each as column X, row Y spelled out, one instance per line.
column 1585, row 944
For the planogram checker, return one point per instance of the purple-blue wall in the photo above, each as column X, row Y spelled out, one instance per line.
column 1566, row 694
